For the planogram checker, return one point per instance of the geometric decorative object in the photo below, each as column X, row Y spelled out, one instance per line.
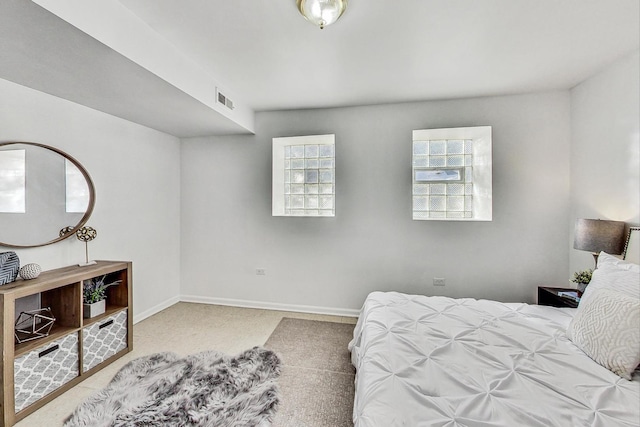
column 30, row 271
column 452, row 174
column 33, row 324
column 596, row 235
column 9, row 267
column 66, row 231
column 86, row 234
column 322, row 12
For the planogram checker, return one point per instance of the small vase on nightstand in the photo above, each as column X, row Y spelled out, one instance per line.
column 582, row 279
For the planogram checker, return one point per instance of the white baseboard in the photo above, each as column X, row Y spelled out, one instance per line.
column 347, row 312
column 156, row 309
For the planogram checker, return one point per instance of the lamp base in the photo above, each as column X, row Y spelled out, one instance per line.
column 595, row 260
column 88, row 263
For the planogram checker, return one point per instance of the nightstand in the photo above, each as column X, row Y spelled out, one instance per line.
column 549, row 296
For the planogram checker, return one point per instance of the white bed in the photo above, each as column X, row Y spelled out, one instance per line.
column 437, row 361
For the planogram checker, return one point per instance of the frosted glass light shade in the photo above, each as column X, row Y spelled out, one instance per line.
column 322, row 12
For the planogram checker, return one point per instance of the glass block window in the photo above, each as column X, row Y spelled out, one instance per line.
column 452, row 174
column 304, row 176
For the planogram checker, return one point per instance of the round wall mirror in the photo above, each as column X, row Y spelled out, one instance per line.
column 42, row 191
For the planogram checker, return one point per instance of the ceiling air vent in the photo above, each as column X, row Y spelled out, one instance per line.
column 222, row 99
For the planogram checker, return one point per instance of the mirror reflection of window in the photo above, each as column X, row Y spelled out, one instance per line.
column 12, row 181
column 77, row 190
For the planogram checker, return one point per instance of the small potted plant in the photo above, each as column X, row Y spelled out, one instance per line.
column 94, row 296
column 582, row 279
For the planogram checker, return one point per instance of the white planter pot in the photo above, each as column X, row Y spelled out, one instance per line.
column 93, row 310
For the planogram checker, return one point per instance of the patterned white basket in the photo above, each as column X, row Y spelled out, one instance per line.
column 43, row 370
column 104, row 339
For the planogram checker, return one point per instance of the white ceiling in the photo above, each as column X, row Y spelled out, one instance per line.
column 268, row 57
column 384, row 51
column 43, row 52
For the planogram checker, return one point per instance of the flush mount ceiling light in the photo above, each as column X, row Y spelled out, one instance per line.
column 322, row 12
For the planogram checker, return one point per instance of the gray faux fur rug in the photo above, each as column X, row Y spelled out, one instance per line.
column 205, row 389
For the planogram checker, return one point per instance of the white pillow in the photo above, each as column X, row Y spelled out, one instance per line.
column 609, row 261
column 607, row 329
column 614, row 274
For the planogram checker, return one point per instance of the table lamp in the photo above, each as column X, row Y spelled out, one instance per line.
column 595, row 235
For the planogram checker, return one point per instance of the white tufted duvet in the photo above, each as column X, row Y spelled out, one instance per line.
column 437, row 361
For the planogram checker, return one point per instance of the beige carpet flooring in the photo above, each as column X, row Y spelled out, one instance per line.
column 187, row 328
column 317, row 380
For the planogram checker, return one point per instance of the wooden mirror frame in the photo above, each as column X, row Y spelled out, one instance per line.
column 92, row 195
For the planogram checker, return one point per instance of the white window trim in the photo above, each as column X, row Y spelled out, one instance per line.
column 482, row 167
column 277, row 188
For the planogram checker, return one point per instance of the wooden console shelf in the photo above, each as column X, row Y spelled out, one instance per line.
column 74, row 349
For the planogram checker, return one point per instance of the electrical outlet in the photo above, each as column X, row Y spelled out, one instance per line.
column 438, row 281
column 261, row 272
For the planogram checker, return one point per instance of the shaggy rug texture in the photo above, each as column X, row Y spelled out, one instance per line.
column 205, row 389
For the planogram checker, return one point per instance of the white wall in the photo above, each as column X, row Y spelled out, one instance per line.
column 605, row 149
column 372, row 243
column 136, row 172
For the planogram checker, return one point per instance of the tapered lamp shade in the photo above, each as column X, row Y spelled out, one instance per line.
column 595, row 235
